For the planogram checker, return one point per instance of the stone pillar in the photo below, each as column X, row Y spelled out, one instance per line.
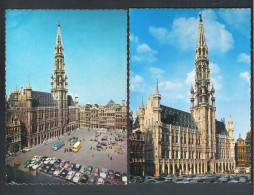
column 163, row 167
column 194, row 171
column 157, row 170
column 173, row 166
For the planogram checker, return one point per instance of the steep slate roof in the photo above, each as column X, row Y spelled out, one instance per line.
column 220, row 127
column 177, row 117
column 70, row 100
column 111, row 102
column 42, row 99
column 136, row 123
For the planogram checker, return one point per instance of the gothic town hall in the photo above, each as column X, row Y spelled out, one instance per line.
column 43, row 115
column 187, row 143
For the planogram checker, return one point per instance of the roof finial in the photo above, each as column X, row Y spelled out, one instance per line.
column 58, row 23
column 200, row 17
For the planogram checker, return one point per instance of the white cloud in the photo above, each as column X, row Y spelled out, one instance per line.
column 238, row 18
column 184, row 33
column 245, row 76
column 143, row 48
column 156, row 71
column 244, row 58
column 136, row 79
column 216, row 82
column 214, row 68
column 190, row 78
column 169, row 85
column 142, row 51
column 136, row 83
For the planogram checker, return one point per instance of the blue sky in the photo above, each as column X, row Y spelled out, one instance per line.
column 95, row 49
column 162, row 46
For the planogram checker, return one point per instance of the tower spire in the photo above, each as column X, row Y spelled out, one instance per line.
column 157, row 88
column 59, row 38
column 201, row 34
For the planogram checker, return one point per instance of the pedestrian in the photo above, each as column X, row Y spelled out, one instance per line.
column 111, row 158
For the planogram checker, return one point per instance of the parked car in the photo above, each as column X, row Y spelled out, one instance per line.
column 117, row 176
column 36, row 165
column 82, row 169
column 47, row 161
column 70, row 175
column 52, row 169
column 63, row 174
column 124, row 178
column 66, row 165
column 89, row 169
column 242, row 179
column 27, row 163
column 44, row 158
column 100, row 181
column 46, row 168
column 96, row 171
column 111, row 174
column 58, row 171
column 107, row 182
column 34, row 158
column 77, row 177
column 103, row 173
column 92, row 179
column 84, row 179
column 38, row 159
column 58, row 161
column 62, row 163
column 53, row 161
column 77, row 167
column 71, row 166
column 26, row 149
column 69, row 139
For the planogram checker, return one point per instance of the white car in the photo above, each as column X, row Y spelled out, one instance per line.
column 247, row 170
column 103, row 173
column 26, row 149
column 58, row 171
column 70, row 175
column 82, row 169
column 31, row 164
column 124, row 178
column 47, row 161
column 237, row 170
column 35, row 158
column 77, row 177
column 100, row 181
column 36, row 165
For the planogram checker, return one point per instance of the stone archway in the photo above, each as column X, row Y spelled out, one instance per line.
column 171, row 169
column 166, row 170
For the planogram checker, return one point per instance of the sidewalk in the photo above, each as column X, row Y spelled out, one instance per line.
column 46, row 142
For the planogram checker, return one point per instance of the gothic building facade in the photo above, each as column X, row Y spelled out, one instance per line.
column 187, row 143
column 243, row 151
column 45, row 115
column 111, row 116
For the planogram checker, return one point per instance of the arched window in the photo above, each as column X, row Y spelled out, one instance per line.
column 204, row 52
